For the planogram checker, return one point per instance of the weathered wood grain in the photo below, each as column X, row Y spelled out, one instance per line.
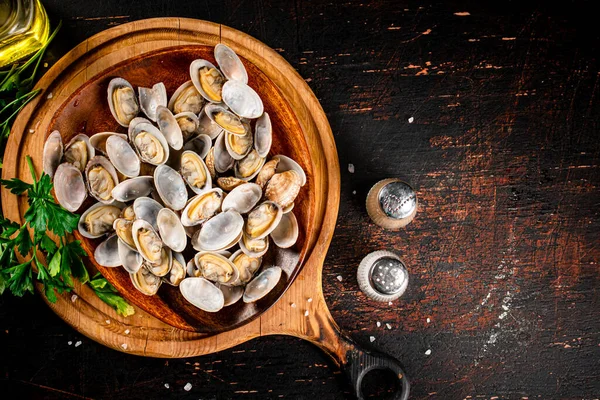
column 503, row 148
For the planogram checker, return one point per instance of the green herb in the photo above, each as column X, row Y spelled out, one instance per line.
column 65, row 259
column 16, row 87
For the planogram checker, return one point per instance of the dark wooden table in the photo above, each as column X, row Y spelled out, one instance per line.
column 491, row 112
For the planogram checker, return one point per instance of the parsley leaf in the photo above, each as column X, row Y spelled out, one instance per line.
column 107, row 293
column 15, row 185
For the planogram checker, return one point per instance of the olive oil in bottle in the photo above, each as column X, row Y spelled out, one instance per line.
column 24, row 29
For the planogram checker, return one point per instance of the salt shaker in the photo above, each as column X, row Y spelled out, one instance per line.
column 392, row 204
column 382, row 276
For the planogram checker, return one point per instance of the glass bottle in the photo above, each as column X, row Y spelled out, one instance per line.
column 24, row 29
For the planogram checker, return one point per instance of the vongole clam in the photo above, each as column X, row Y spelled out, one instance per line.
column 122, row 101
column 150, row 237
column 53, row 153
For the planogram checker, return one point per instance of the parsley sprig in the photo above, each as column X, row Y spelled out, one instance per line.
column 65, row 258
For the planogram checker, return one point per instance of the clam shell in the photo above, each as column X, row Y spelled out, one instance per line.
column 216, row 267
column 171, row 230
column 207, row 126
column 263, row 135
column 134, row 122
column 122, row 156
column 252, row 161
column 192, row 269
column 213, row 110
column 192, row 104
column 156, row 133
column 169, row 127
column 145, row 282
column 106, row 164
column 202, row 294
column 122, row 228
column 113, row 85
column 195, row 67
column 107, row 253
column 246, row 265
column 230, row 64
column 283, row 188
column 170, row 187
column 286, row 233
column 266, row 172
column 147, row 209
column 131, row 189
column 260, row 286
column 138, row 225
column 89, row 154
column 242, row 99
column 228, row 183
column 150, row 99
column 243, row 198
column 69, row 187
column 245, row 142
column 163, row 267
column 186, row 220
column 189, row 178
column 261, row 221
column 222, row 158
column 286, row 164
column 177, row 272
column 98, row 140
column 188, row 124
column 130, row 259
column 248, row 246
column 200, row 145
column 220, row 232
column 53, row 153
column 231, row 294
column 106, row 226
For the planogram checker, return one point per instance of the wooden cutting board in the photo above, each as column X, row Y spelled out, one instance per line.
column 143, row 334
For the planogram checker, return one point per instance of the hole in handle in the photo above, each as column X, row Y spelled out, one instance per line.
column 379, row 383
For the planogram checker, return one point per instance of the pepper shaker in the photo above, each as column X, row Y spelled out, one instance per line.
column 382, row 276
column 392, row 204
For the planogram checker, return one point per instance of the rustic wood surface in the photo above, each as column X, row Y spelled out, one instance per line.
column 504, row 152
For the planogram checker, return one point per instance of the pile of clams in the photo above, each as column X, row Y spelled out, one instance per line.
column 187, row 196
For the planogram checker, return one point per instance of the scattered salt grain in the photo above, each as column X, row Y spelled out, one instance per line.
column 187, row 387
column 127, row 331
column 372, row 339
column 428, row 320
column 70, row 343
column 107, row 322
column 309, row 300
column 167, row 385
column 306, row 313
column 354, row 192
column 428, row 352
column 388, row 326
column 411, row 120
column 45, row 65
column 78, row 343
column 390, row 303
column 378, row 324
column 73, row 298
column 293, row 305
column 351, row 168
column 49, row 95
column 32, row 131
column 124, row 346
column 339, row 278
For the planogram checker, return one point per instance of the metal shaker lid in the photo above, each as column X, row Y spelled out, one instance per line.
column 382, row 276
column 392, row 203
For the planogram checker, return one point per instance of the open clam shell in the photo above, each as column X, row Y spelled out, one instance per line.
column 207, row 126
column 133, row 188
column 150, row 144
column 248, row 167
column 188, row 124
column 79, row 151
column 230, row 64
column 285, row 234
column 147, row 242
column 163, row 266
column 134, row 122
column 186, row 99
column 222, row 159
column 53, row 153
column 122, row 156
column 263, row 135
column 107, row 253
column 171, row 230
column 122, row 101
column 195, row 172
column 150, row 99
column 98, row 220
column 286, row 164
column 101, row 179
column 216, row 267
column 170, row 187
column 266, row 172
column 220, row 232
column 98, row 140
column 242, row 99
column 254, row 247
column 123, row 229
column 243, row 198
column 207, row 80
column 147, row 209
column 177, row 272
column 246, row 265
column 69, row 187
column 262, row 220
column 202, row 294
column 200, row 145
column 260, row 286
column 237, row 146
column 227, row 120
column 169, row 127
column 145, row 282
column 130, row 259
column 202, row 207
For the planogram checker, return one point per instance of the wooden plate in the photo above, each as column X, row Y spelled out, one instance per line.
column 124, row 50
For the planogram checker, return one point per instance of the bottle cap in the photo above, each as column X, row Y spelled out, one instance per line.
column 382, row 276
column 392, row 204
